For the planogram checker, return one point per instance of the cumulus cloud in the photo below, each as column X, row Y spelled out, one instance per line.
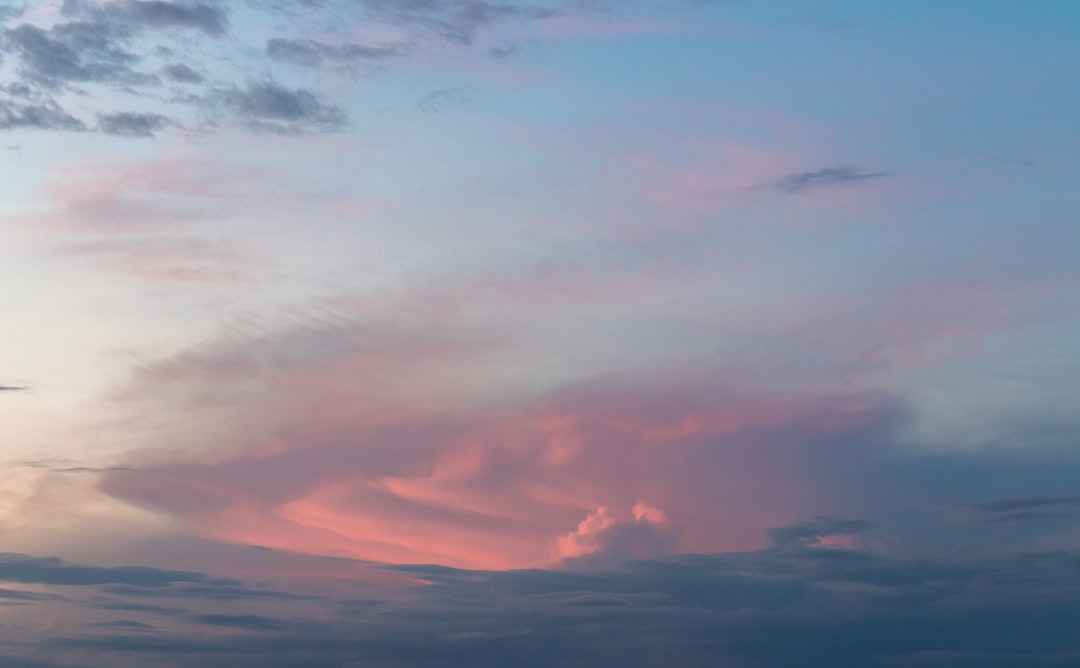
column 601, row 537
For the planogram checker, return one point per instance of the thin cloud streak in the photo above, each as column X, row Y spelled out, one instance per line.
column 800, row 182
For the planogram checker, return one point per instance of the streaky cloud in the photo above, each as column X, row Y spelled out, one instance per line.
column 799, row 182
column 1023, row 509
column 55, row 571
column 312, row 53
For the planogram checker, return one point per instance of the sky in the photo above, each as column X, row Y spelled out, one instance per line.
column 399, row 333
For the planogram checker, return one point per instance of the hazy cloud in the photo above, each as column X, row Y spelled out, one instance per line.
column 456, row 20
column 182, row 74
column 312, row 53
column 432, row 102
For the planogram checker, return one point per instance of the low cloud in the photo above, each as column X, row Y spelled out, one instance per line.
column 837, row 608
column 50, row 570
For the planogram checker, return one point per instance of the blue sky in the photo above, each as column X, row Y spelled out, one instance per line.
column 331, row 326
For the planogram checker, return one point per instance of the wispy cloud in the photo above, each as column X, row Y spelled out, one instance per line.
column 1024, row 509
column 51, row 570
column 313, row 53
column 799, row 182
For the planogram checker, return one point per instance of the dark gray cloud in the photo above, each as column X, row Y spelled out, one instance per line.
column 54, row 571
column 802, row 181
column 809, row 533
column 124, row 624
column 13, row 388
column 266, row 106
column 800, row 607
column 250, row 622
column 20, row 595
column 10, row 661
column 217, row 590
column 65, row 466
column 131, row 124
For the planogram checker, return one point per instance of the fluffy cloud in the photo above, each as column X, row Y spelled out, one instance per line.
column 602, row 537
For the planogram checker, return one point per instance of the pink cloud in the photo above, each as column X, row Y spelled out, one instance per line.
column 373, row 429
column 329, row 444
column 603, row 537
